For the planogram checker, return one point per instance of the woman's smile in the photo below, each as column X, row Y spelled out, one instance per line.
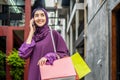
column 40, row 18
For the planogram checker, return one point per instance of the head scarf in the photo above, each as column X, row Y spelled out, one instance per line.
column 41, row 31
column 36, row 9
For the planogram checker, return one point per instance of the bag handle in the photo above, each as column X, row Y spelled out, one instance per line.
column 53, row 40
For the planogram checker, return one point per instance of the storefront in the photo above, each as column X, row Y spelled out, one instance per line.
column 14, row 17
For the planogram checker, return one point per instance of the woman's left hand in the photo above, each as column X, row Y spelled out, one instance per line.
column 42, row 61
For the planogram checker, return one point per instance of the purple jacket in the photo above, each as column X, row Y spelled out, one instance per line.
column 44, row 47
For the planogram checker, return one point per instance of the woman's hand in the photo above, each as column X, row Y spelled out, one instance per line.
column 32, row 26
column 31, row 33
column 42, row 61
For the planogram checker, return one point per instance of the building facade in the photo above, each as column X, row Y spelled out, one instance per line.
column 91, row 28
column 98, row 41
column 14, row 23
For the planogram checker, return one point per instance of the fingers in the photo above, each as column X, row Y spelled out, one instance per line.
column 32, row 26
column 31, row 22
column 42, row 61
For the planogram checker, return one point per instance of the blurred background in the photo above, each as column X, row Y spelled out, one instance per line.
column 91, row 27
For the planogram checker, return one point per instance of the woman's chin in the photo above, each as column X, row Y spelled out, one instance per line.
column 40, row 25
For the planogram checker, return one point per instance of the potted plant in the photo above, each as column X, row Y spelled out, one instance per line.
column 2, row 65
column 17, row 65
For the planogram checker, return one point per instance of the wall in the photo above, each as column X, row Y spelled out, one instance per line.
column 98, row 41
column 97, row 46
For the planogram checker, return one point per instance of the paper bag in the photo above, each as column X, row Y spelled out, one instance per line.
column 80, row 65
column 62, row 69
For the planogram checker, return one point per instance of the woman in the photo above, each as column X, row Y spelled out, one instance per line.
column 39, row 44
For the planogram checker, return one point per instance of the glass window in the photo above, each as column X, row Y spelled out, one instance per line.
column 12, row 13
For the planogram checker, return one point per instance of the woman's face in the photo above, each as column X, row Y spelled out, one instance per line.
column 39, row 18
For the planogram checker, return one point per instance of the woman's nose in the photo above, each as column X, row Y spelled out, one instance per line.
column 39, row 17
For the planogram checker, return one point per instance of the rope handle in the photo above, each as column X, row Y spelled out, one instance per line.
column 53, row 40
column 54, row 43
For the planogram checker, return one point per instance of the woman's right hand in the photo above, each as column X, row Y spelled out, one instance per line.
column 42, row 61
column 31, row 33
column 32, row 27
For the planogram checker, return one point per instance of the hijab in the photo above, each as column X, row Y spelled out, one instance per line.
column 41, row 31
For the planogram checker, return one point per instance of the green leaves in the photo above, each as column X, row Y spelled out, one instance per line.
column 2, row 64
column 17, row 65
column 2, row 57
column 14, row 60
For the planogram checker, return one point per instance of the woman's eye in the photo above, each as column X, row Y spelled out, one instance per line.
column 42, row 15
column 36, row 15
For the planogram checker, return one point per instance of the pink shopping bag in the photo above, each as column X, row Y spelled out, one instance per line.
column 61, row 69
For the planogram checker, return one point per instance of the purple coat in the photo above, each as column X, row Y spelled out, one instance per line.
column 36, row 50
column 41, row 46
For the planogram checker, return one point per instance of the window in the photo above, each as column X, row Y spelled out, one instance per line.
column 12, row 13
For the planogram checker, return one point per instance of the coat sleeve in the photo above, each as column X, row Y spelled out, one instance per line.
column 51, row 56
column 60, row 44
column 25, row 49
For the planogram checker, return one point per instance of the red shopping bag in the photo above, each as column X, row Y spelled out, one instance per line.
column 61, row 69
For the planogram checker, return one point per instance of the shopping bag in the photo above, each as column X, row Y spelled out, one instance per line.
column 80, row 65
column 62, row 69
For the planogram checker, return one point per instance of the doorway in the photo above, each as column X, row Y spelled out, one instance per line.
column 115, row 43
column 2, row 57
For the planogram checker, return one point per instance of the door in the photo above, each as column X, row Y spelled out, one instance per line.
column 115, row 57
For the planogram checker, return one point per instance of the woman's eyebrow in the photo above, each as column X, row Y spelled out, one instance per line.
column 39, row 13
column 36, row 14
column 42, row 13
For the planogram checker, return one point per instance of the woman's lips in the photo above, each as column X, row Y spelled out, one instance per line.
column 41, row 21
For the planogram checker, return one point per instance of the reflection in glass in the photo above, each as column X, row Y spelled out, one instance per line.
column 12, row 13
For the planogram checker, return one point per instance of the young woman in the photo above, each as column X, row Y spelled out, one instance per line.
column 39, row 46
